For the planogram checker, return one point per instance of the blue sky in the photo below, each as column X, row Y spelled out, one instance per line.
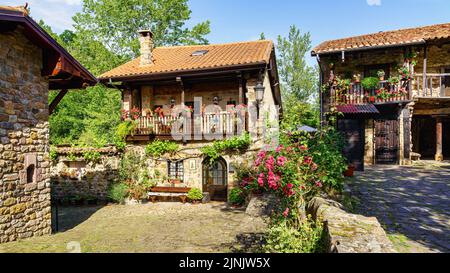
column 241, row 20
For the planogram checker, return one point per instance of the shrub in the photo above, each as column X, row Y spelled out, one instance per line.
column 158, row 148
column 118, row 192
column 370, row 83
column 237, row 196
column 306, row 238
column 195, row 194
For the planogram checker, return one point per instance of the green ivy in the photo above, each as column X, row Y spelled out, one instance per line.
column 71, row 156
column 370, row 83
column 234, row 144
column 124, row 129
column 92, row 156
column 158, row 148
column 53, row 154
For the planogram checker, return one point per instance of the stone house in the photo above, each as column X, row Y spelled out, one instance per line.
column 31, row 64
column 392, row 90
column 194, row 95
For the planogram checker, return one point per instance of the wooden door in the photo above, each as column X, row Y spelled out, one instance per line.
column 353, row 131
column 386, row 141
column 215, row 179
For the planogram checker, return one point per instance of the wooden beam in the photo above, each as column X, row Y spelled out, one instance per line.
column 241, row 89
column 425, row 57
column 180, row 81
column 56, row 100
column 435, row 111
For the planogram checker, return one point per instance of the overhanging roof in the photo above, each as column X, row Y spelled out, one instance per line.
column 383, row 39
column 64, row 71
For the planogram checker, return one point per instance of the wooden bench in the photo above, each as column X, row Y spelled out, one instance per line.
column 169, row 192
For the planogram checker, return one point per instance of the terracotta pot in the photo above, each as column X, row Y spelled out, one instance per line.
column 349, row 172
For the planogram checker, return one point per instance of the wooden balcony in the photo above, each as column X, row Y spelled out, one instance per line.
column 431, row 85
column 358, row 95
column 165, row 127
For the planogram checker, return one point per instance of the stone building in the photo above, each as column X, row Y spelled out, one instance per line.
column 393, row 89
column 213, row 86
column 31, row 64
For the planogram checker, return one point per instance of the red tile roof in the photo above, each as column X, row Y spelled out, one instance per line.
column 386, row 38
column 179, row 59
column 357, row 109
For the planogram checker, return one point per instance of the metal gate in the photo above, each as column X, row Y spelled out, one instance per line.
column 386, row 141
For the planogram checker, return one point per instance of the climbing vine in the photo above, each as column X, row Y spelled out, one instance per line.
column 158, row 148
column 234, row 144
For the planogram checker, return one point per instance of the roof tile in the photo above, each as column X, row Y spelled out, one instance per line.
column 179, row 58
column 387, row 38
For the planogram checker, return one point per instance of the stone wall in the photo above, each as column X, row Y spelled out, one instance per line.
column 25, row 209
column 75, row 179
column 349, row 233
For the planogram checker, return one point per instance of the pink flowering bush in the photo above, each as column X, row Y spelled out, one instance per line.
column 297, row 170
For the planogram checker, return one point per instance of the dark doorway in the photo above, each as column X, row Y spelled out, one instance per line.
column 215, row 179
column 353, row 130
column 424, row 137
column 386, row 141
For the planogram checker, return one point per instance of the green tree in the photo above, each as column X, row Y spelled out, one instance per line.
column 297, row 78
column 299, row 81
column 115, row 24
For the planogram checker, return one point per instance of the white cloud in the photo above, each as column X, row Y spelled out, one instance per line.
column 374, row 2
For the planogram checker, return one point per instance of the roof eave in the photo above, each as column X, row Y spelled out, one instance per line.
column 334, row 51
column 185, row 73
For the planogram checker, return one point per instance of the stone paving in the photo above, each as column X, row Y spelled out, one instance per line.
column 412, row 204
column 148, row 228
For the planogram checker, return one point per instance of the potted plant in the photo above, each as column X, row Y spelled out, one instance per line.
column 381, row 74
column 370, row 83
column 195, row 195
column 350, row 171
column 357, row 77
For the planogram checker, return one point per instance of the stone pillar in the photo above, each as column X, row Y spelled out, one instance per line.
column 439, row 156
column 369, row 142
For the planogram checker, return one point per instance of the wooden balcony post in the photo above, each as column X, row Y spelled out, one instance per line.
column 56, row 100
column 424, row 83
column 439, row 156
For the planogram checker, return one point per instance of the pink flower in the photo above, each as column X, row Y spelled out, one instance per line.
column 262, row 154
column 289, row 185
column 258, row 162
column 303, row 148
column 281, row 161
column 314, row 167
column 272, row 180
column 261, row 180
column 307, row 160
column 319, row 184
column 279, row 148
column 289, row 149
column 270, row 162
column 286, row 212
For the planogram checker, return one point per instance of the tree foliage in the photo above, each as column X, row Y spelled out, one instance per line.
column 297, row 77
column 114, row 23
column 299, row 81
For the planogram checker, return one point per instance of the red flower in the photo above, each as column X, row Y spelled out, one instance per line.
column 286, row 212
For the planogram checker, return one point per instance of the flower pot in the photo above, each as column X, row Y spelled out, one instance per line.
column 350, row 171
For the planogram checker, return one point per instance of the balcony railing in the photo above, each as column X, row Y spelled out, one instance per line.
column 386, row 93
column 433, row 85
column 226, row 123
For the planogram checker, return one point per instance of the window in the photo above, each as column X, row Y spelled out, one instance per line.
column 371, row 70
column 199, row 53
column 30, row 174
column 175, row 170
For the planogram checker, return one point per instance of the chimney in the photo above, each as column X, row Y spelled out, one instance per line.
column 146, row 41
